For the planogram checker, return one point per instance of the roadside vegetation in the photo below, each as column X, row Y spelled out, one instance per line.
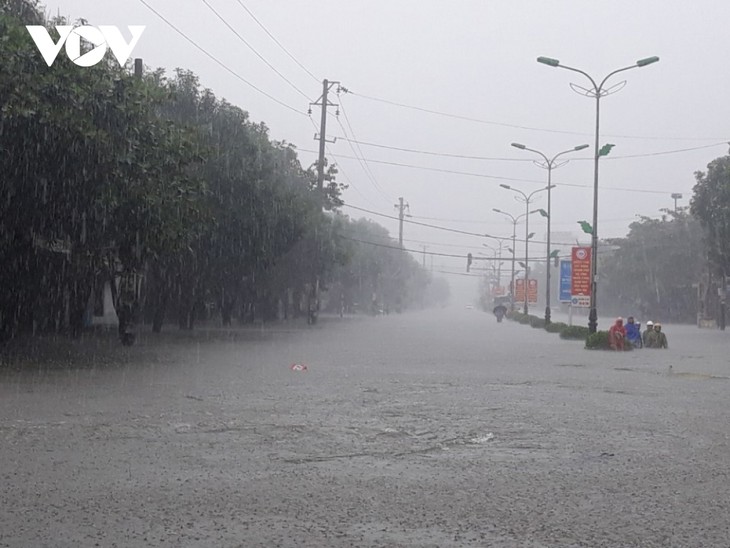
column 171, row 199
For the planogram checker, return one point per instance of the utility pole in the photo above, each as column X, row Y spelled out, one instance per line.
column 676, row 196
column 401, row 207
column 424, row 257
column 323, row 102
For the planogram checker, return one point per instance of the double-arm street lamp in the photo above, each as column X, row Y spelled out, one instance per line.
column 514, row 220
column 597, row 91
column 549, row 164
column 526, row 199
column 497, row 258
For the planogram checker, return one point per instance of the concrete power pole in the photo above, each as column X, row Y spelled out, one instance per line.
column 323, row 102
column 401, row 207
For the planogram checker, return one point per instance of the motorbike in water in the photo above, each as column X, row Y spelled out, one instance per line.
column 500, row 311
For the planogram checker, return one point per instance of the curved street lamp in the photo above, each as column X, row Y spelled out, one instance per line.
column 526, row 199
column 597, row 91
column 496, row 258
column 549, row 164
column 514, row 220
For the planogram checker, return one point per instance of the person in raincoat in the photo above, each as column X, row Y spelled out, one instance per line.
column 647, row 335
column 633, row 332
column 659, row 339
column 499, row 311
column 617, row 334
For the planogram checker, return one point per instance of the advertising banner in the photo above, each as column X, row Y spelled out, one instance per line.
column 565, row 280
column 580, row 276
column 520, row 290
column 532, row 291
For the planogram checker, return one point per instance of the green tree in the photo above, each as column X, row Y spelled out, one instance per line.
column 653, row 269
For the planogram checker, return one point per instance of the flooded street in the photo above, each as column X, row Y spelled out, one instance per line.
column 423, row 429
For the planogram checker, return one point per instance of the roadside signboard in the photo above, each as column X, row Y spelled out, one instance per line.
column 580, row 301
column 532, row 291
column 520, row 290
column 499, row 291
column 565, row 280
column 580, row 279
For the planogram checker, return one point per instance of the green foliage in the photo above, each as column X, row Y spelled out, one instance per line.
column 598, row 341
column 555, row 327
column 650, row 273
column 711, row 205
column 537, row 322
column 525, row 319
column 514, row 315
column 574, row 332
column 156, row 184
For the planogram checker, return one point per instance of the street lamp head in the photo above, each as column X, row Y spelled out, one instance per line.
column 506, row 186
column 543, row 212
column 581, row 147
column 530, row 235
column 647, row 61
column 548, row 61
column 519, row 145
column 497, row 210
column 550, row 186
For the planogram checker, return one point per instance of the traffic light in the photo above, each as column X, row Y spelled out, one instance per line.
column 468, row 262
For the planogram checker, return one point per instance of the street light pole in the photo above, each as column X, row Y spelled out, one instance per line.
column 549, row 164
column 597, row 91
column 527, row 199
column 496, row 263
column 676, row 196
column 514, row 220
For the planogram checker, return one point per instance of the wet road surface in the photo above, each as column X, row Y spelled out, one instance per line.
column 423, row 429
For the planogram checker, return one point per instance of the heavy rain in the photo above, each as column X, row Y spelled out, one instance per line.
column 218, row 331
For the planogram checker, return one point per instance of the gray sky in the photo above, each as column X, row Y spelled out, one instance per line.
column 474, row 59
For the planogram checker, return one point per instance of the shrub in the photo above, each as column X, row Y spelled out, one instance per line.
column 555, row 327
column 515, row 315
column 525, row 319
column 537, row 322
column 575, row 332
column 599, row 341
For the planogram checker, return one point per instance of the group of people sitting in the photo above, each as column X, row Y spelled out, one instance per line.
column 652, row 337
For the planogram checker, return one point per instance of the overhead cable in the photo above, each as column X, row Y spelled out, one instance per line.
column 219, row 62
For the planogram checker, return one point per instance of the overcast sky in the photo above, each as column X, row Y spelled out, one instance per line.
column 474, row 60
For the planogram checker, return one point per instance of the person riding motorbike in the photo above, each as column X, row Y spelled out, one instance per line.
column 499, row 311
column 633, row 332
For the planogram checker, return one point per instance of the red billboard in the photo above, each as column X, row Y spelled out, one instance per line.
column 531, row 291
column 520, row 290
column 581, row 272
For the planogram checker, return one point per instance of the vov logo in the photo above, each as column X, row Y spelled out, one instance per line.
column 100, row 37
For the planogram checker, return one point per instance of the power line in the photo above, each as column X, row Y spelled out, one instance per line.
column 218, row 62
column 249, row 46
column 503, row 159
column 368, row 173
column 352, row 131
column 516, row 126
column 260, row 24
column 446, row 229
column 339, row 167
column 500, row 178
column 421, row 224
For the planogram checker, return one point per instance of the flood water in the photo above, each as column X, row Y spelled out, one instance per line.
column 423, row 429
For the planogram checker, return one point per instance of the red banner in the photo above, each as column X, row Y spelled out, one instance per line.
column 581, row 271
column 531, row 291
column 520, row 290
